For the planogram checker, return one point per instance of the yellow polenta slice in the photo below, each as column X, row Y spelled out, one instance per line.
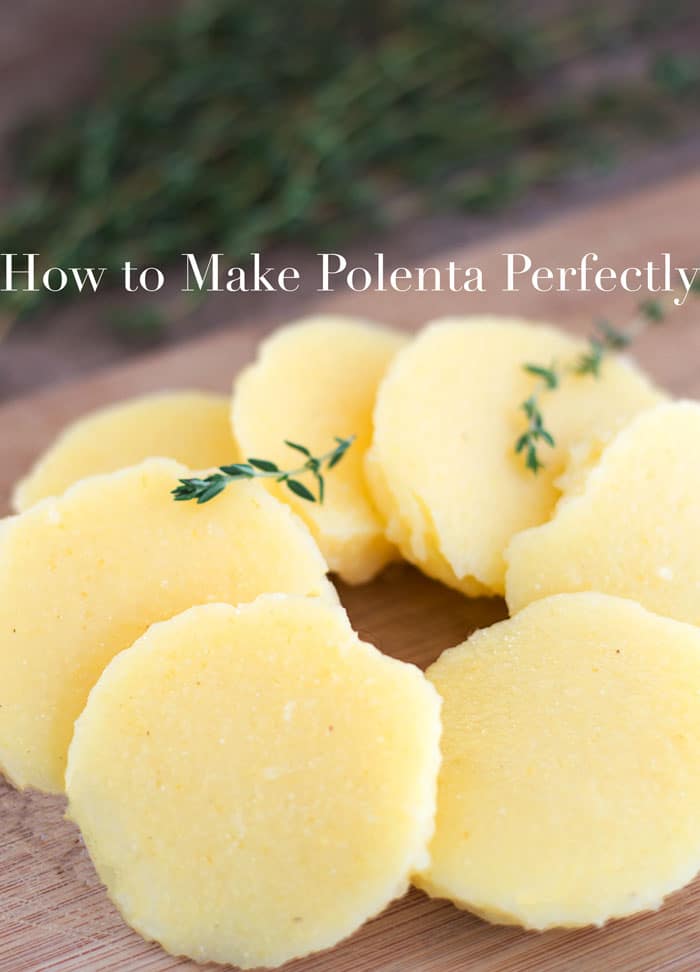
column 191, row 427
column 442, row 466
column 313, row 381
column 253, row 783
column 569, row 789
column 632, row 526
column 82, row 576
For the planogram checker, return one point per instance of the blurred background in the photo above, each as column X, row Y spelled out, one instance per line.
column 139, row 131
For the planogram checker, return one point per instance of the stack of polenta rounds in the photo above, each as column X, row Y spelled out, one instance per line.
column 251, row 779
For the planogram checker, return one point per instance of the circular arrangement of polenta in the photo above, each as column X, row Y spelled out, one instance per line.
column 269, row 779
column 569, row 787
column 253, row 780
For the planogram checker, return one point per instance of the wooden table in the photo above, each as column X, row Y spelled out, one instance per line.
column 53, row 913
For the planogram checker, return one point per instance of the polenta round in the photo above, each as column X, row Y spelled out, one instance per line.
column 253, row 783
column 191, row 427
column 442, row 466
column 629, row 526
column 313, row 381
column 569, row 789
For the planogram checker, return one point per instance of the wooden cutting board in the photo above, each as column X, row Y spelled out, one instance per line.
column 54, row 915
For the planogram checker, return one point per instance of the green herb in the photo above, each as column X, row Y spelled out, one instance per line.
column 548, row 375
column 535, row 433
column 231, row 126
column 653, row 311
column 613, row 338
column 606, row 340
column 204, row 490
column 590, row 362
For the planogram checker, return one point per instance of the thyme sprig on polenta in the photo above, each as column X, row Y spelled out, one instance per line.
column 205, row 489
column 605, row 340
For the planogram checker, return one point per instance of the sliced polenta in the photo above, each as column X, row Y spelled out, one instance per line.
column 253, row 783
column 443, row 468
column 569, row 789
column 631, row 527
column 82, row 576
column 191, row 427
column 313, row 381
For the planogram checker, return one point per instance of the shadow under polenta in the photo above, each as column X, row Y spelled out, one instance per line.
column 409, row 616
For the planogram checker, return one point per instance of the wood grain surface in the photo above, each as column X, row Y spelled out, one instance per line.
column 54, row 915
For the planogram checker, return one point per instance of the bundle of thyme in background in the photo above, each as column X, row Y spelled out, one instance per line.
column 232, row 126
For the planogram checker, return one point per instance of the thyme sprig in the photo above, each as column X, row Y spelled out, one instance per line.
column 204, row 490
column 535, row 433
column 606, row 339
